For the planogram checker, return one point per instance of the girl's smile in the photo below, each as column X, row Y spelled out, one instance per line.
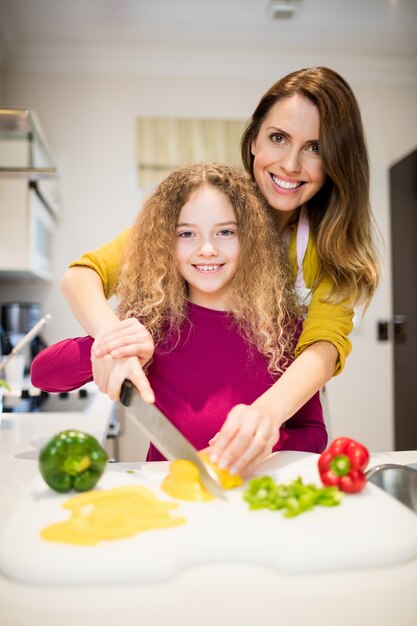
column 207, row 250
column 287, row 165
column 208, row 268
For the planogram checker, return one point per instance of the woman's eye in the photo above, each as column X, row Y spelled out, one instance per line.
column 315, row 148
column 277, row 138
column 225, row 232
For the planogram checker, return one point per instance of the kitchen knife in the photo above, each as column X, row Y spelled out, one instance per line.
column 166, row 437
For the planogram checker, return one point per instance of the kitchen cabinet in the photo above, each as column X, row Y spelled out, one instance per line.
column 23, row 147
column 29, row 197
column 27, row 227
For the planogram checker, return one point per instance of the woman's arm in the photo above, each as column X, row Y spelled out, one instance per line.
column 110, row 373
column 87, row 285
column 304, row 377
column 83, row 290
column 325, row 321
column 249, row 433
column 91, row 281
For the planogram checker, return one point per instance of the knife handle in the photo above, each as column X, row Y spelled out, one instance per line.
column 126, row 392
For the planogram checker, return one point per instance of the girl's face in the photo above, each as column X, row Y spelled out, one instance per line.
column 287, row 166
column 208, row 247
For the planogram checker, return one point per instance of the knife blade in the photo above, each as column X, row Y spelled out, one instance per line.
column 166, row 437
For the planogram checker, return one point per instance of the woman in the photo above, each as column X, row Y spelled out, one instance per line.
column 305, row 149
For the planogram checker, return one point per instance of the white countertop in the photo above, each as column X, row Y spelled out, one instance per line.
column 204, row 595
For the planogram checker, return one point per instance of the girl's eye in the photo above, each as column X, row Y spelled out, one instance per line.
column 226, row 232
column 186, row 234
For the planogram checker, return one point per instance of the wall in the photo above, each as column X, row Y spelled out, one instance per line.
column 90, row 124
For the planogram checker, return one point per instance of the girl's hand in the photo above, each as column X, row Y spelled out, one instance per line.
column 110, row 373
column 123, row 339
column 245, row 439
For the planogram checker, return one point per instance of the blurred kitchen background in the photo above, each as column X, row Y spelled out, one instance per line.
column 84, row 71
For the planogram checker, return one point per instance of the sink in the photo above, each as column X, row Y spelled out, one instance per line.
column 399, row 481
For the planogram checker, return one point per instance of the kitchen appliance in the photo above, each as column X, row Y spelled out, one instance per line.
column 18, row 319
column 367, row 530
column 168, row 439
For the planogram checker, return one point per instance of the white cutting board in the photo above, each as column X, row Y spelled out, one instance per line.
column 367, row 529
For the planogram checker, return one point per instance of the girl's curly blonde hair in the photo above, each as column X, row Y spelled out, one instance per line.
column 261, row 298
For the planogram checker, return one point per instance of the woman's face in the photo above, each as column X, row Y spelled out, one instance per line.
column 207, row 250
column 287, row 166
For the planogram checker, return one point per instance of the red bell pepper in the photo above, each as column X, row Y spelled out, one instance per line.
column 342, row 465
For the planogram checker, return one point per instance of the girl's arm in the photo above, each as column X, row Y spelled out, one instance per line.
column 63, row 366
column 69, row 364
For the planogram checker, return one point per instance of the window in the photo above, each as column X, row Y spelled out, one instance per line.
column 164, row 144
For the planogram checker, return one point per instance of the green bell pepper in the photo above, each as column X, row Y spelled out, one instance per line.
column 72, row 460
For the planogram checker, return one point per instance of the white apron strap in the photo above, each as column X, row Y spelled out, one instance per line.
column 303, row 230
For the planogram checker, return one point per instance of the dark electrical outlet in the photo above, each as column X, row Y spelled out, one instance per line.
column 382, row 331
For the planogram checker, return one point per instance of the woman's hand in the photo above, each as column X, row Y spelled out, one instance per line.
column 110, row 373
column 125, row 338
column 245, row 439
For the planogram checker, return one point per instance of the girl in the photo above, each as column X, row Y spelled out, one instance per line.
column 202, row 243
column 305, row 148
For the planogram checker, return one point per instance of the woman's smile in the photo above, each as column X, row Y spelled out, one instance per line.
column 286, row 185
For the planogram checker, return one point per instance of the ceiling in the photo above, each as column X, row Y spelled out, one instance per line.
column 226, row 37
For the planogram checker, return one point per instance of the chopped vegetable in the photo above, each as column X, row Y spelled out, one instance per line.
column 294, row 498
column 72, row 460
column 107, row 515
column 227, row 480
column 343, row 465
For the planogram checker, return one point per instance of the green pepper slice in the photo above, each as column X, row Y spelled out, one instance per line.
column 72, row 460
